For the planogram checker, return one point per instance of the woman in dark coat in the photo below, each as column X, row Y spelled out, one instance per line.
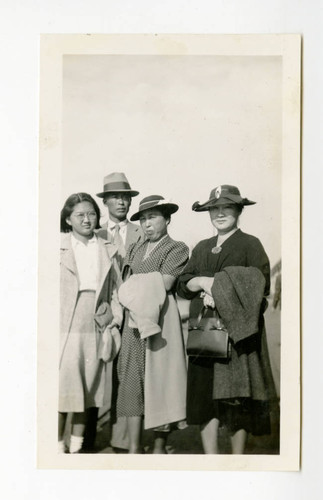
column 229, row 272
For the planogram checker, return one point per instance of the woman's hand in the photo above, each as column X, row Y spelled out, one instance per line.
column 207, row 285
column 208, row 301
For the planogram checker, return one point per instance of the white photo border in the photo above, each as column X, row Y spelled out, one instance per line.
column 53, row 48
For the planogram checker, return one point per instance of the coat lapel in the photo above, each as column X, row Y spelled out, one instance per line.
column 69, row 288
column 133, row 234
column 108, row 235
column 67, row 254
column 106, row 252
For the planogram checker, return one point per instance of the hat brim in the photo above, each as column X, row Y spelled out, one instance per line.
column 130, row 192
column 171, row 208
column 214, row 202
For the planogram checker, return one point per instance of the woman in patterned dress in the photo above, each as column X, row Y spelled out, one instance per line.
column 236, row 393
column 152, row 364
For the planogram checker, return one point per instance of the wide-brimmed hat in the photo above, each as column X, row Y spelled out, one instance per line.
column 154, row 201
column 222, row 195
column 116, row 182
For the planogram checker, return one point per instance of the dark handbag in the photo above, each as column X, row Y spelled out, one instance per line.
column 208, row 337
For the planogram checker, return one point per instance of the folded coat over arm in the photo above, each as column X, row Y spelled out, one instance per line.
column 238, row 296
column 157, row 318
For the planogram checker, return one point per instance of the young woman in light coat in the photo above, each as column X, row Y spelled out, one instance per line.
column 90, row 316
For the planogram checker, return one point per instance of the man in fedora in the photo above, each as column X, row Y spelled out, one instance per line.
column 116, row 195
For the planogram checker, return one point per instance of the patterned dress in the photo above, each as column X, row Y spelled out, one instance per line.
column 167, row 257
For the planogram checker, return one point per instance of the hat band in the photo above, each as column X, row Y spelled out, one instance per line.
column 116, row 186
column 153, row 203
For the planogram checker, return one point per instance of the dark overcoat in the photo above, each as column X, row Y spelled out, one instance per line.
column 209, row 381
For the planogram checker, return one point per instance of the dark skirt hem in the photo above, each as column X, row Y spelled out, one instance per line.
column 235, row 414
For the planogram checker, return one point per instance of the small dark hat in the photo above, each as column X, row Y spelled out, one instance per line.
column 222, row 195
column 116, row 182
column 154, row 201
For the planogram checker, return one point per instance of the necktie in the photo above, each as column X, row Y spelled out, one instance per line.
column 118, row 242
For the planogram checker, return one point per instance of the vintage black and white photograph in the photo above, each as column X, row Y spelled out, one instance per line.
column 169, row 252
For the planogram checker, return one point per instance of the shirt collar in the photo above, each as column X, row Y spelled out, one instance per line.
column 76, row 242
column 112, row 224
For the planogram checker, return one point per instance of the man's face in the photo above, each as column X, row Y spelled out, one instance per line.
column 118, row 205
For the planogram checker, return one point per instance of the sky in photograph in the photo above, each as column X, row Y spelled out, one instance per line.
column 178, row 126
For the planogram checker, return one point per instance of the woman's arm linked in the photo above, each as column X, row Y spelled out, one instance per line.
column 202, row 284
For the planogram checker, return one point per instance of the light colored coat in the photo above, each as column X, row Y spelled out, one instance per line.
column 144, row 295
column 165, row 369
column 109, row 280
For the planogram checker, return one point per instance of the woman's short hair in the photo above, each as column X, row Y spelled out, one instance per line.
column 164, row 211
column 68, row 208
column 239, row 207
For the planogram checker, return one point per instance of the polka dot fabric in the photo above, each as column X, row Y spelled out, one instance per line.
column 167, row 257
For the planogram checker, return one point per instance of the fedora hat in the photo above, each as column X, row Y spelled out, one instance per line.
column 154, row 201
column 116, row 182
column 222, row 195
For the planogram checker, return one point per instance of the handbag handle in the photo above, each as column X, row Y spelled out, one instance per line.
column 202, row 314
